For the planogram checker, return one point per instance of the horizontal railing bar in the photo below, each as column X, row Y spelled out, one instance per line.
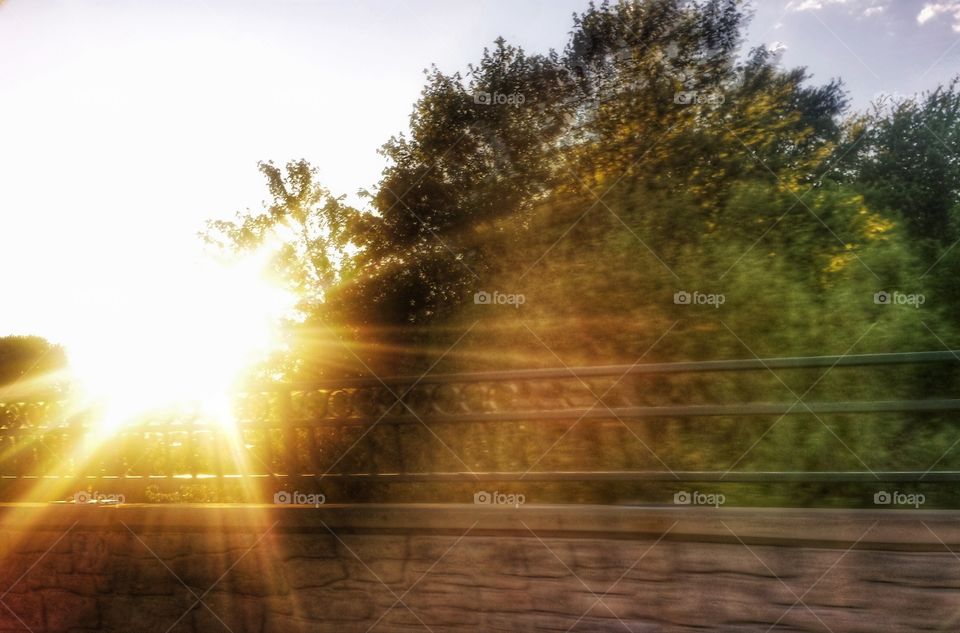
column 596, row 412
column 657, row 476
column 652, row 476
column 796, row 362
column 678, row 411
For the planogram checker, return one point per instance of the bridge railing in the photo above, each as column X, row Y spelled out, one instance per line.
column 371, row 431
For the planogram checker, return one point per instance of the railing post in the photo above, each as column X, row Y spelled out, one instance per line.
column 288, row 435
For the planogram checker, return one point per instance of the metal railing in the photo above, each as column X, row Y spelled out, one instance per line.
column 283, row 432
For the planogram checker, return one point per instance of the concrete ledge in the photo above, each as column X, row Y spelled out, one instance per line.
column 912, row 530
column 475, row 568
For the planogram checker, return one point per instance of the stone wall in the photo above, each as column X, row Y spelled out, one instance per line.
column 475, row 568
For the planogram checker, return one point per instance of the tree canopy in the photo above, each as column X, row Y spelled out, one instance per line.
column 650, row 159
column 651, row 150
column 24, row 360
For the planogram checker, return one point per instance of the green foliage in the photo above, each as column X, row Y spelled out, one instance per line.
column 467, row 162
column 25, row 360
column 306, row 228
column 645, row 160
column 907, row 161
column 309, row 236
column 904, row 156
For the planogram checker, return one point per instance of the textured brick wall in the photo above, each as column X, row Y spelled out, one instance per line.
column 474, row 569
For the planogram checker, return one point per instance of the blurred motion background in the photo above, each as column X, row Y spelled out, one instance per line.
column 655, row 180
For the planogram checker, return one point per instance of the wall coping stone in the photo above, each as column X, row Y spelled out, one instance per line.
column 911, row 530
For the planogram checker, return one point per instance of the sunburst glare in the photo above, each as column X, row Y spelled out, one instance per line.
column 181, row 345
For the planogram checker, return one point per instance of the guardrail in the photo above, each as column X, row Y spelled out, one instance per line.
column 283, row 432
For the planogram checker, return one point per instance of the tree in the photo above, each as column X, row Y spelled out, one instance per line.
column 907, row 161
column 644, row 161
column 904, row 156
column 479, row 150
column 677, row 167
column 487, row 148
column 29, row 363
column 308, row 234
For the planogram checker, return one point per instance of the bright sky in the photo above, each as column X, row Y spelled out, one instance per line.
column 125, row 124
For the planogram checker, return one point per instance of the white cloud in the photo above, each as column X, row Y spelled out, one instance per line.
column 777, row 47
column 933, row 10
column 864, row 8
column 810, row 5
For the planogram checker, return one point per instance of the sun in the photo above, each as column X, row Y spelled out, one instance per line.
column 180, row 342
